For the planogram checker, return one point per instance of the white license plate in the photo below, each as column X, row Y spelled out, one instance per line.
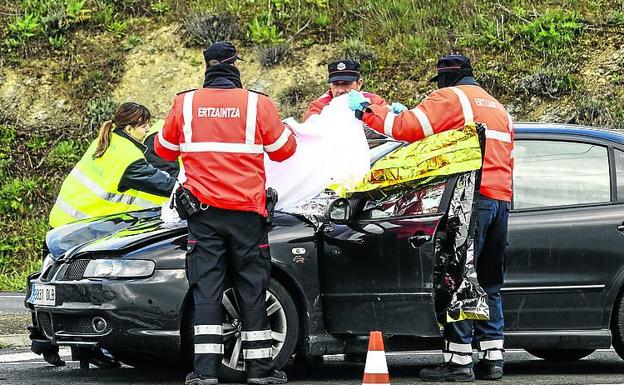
column 43, row 295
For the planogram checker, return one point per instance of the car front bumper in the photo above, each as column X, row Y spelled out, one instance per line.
column 140, row 315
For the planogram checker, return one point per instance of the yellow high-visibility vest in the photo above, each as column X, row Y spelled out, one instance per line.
column 92, row 187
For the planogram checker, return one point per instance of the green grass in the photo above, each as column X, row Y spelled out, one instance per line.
column 523, row 51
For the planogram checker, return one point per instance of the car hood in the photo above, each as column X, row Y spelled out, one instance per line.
column 95, row 231
column 118, row 234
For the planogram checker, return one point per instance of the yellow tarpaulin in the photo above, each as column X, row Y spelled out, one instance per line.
column 446, row 153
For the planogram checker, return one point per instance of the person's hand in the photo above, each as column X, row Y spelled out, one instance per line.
column 397, row 107
column 357, row 101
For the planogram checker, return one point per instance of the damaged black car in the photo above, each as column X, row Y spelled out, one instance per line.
column 395, row 259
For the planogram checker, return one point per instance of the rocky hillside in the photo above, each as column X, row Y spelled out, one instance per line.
column 65, row 64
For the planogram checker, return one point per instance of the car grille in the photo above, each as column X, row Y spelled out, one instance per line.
column 45, row 323
column 76, row 269
column 49, row 274
column 68, row 325
column 80, row 325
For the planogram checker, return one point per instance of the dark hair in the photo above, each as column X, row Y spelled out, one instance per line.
column 127, row 114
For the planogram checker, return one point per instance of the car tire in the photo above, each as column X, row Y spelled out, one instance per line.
column 284, row 321
column 617, row 326
column 560, row 355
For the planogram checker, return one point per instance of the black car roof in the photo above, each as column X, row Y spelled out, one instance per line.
column 570, row 129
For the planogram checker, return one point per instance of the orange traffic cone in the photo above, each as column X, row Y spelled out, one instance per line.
column 376, row 369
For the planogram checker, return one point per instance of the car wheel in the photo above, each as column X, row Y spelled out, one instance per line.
column 284, row 323
column 617, row 326
column 561, row 354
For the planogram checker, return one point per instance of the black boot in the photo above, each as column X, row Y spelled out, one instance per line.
column 198, row 379
column 488, row 371
column 277, row 377
column 447, row 373
column 53, row 358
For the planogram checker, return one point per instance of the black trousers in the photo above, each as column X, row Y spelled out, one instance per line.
column 234, row 242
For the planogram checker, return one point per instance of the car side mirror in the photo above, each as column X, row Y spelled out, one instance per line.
column 339, row 211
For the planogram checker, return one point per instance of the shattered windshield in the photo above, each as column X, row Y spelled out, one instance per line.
column 406, row 202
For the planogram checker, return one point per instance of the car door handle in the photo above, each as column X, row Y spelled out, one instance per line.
column 620, row 228
column 418, row 240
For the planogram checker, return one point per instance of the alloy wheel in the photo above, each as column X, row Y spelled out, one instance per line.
column 232, row 327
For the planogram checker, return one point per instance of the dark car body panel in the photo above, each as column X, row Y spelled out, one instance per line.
column 562, row 279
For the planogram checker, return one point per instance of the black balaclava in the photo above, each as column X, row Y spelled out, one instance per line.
column 449, row 79
column 452, row 69
column 221, row 76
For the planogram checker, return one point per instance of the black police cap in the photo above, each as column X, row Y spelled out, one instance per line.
column 221, row 52
column 455, row 63
column 346, row 70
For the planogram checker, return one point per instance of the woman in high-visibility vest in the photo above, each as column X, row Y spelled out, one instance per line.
column 113, row 175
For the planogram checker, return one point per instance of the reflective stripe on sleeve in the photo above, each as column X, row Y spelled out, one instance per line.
column 260, row 335
column 253, row 354
column 280, row 142
column 465, row 104
column 187, row 115
column 209, row 330
column 424, row 121
column 108, row 196
column 241, row 148
column 458, row 348
column 388, row 123
column 250, row 123
column 497, row 135
column 493, row 344
column 208, row 348
column 166, row 144
column 69, row 210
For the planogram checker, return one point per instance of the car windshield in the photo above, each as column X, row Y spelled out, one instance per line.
column 408, row 201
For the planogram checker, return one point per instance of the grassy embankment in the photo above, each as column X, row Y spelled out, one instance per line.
column 542, row 58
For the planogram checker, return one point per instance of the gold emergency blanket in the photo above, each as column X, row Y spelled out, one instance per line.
column 446, row 153
column 458, row 295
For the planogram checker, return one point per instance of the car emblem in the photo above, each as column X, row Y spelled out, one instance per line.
column 299, row 259
column 341, row 66
column 298, row 250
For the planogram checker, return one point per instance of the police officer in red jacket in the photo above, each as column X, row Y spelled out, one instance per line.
column 459, row 101
column 344, row 76
column 221, row 132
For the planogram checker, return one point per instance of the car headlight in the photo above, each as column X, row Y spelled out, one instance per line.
column 118, row 268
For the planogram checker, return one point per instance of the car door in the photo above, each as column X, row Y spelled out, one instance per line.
column 377, row 271
column 564, row 233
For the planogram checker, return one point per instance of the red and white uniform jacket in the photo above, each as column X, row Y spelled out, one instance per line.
column 222, row 135
column 316, row 106
column 451, row 108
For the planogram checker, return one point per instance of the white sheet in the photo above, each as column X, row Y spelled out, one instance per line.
column 331, row 148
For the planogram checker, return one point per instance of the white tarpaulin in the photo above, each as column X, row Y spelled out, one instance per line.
column 331, row 149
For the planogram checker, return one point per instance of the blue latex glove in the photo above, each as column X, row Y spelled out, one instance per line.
column 355, row 101
column 397, row 107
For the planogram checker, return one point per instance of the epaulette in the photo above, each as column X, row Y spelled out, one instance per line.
column 183, row 92
column 258, row 92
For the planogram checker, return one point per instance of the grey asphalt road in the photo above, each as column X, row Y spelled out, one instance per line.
column 12, row 303
column 18, row 367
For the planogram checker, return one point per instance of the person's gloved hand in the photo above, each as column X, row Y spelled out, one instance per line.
column 397, row 107
column 357, row 101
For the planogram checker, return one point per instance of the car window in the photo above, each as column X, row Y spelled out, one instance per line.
column 619, row 169
column 406, row 202
column 559, row 173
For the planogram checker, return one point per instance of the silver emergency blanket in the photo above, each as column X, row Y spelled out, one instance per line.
column 458, row 295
